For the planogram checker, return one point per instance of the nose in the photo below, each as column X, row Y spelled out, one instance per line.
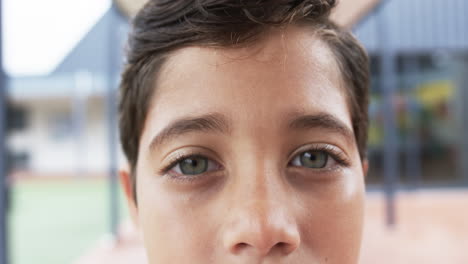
column 261, row 229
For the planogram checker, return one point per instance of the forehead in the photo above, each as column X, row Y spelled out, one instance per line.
column 288, row 70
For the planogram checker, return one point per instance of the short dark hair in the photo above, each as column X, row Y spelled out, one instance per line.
column 164, row 26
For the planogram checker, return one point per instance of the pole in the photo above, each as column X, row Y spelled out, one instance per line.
column 112, row 123
column 3, row 171
column 462, row 63
column 82, row 85
column 388, row 85
column 413, row 142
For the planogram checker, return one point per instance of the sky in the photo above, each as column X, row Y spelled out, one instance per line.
column 38, row 34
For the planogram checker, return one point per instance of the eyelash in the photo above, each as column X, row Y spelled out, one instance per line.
column 337, row 155
column 178, row 159
column 330, row 150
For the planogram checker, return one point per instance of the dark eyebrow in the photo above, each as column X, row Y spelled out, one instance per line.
column 321, row 120
column 213, row 122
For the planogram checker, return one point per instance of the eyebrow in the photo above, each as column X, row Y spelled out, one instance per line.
column 218, row 123
column 212, row 122
column 321, row 120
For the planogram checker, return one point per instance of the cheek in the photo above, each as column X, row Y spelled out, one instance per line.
column 332, row 219
column 171, row 225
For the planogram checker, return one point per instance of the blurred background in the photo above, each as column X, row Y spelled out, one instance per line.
column 59, row 198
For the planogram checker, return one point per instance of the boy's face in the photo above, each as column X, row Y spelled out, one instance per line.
column 248, row 156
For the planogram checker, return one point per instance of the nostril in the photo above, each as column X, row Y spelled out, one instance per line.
column 281, row 245
column 240, row 247
column 284, row 248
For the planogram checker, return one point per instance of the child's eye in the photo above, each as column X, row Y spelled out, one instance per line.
column 194, row 165
column 311, row 159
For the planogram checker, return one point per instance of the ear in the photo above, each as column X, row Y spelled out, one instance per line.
column 127, row 186
column 365, row 167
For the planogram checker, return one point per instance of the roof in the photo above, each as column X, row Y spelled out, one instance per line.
column 413, row 26
column 56, row 86
column 417, row 26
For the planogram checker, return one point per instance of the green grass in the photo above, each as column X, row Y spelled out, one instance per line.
column 55, row 222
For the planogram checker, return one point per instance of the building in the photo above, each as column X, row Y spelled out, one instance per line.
column 58, row 123
column 426, row 42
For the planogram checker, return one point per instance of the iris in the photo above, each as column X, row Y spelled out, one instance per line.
column 314, row 159
column 193, row 165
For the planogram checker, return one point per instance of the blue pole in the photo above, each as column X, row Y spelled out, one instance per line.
column 413, row 142
column 3, row 171
column 112, row 123
column 388, row 84
column 463, row 87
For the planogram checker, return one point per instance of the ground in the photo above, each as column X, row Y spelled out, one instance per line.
column 54, row 221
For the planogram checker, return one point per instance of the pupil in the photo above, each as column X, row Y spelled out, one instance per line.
column 311, row 156
column 314, row 159
column 193, row 166
column 194, row 162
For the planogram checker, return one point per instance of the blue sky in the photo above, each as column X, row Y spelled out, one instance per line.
column 38, row 34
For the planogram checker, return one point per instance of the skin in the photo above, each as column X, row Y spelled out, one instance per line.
column 255, row 203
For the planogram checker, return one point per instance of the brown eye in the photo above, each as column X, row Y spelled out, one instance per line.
column 311, row 159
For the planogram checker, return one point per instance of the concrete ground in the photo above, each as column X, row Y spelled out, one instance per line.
column 432, row 228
